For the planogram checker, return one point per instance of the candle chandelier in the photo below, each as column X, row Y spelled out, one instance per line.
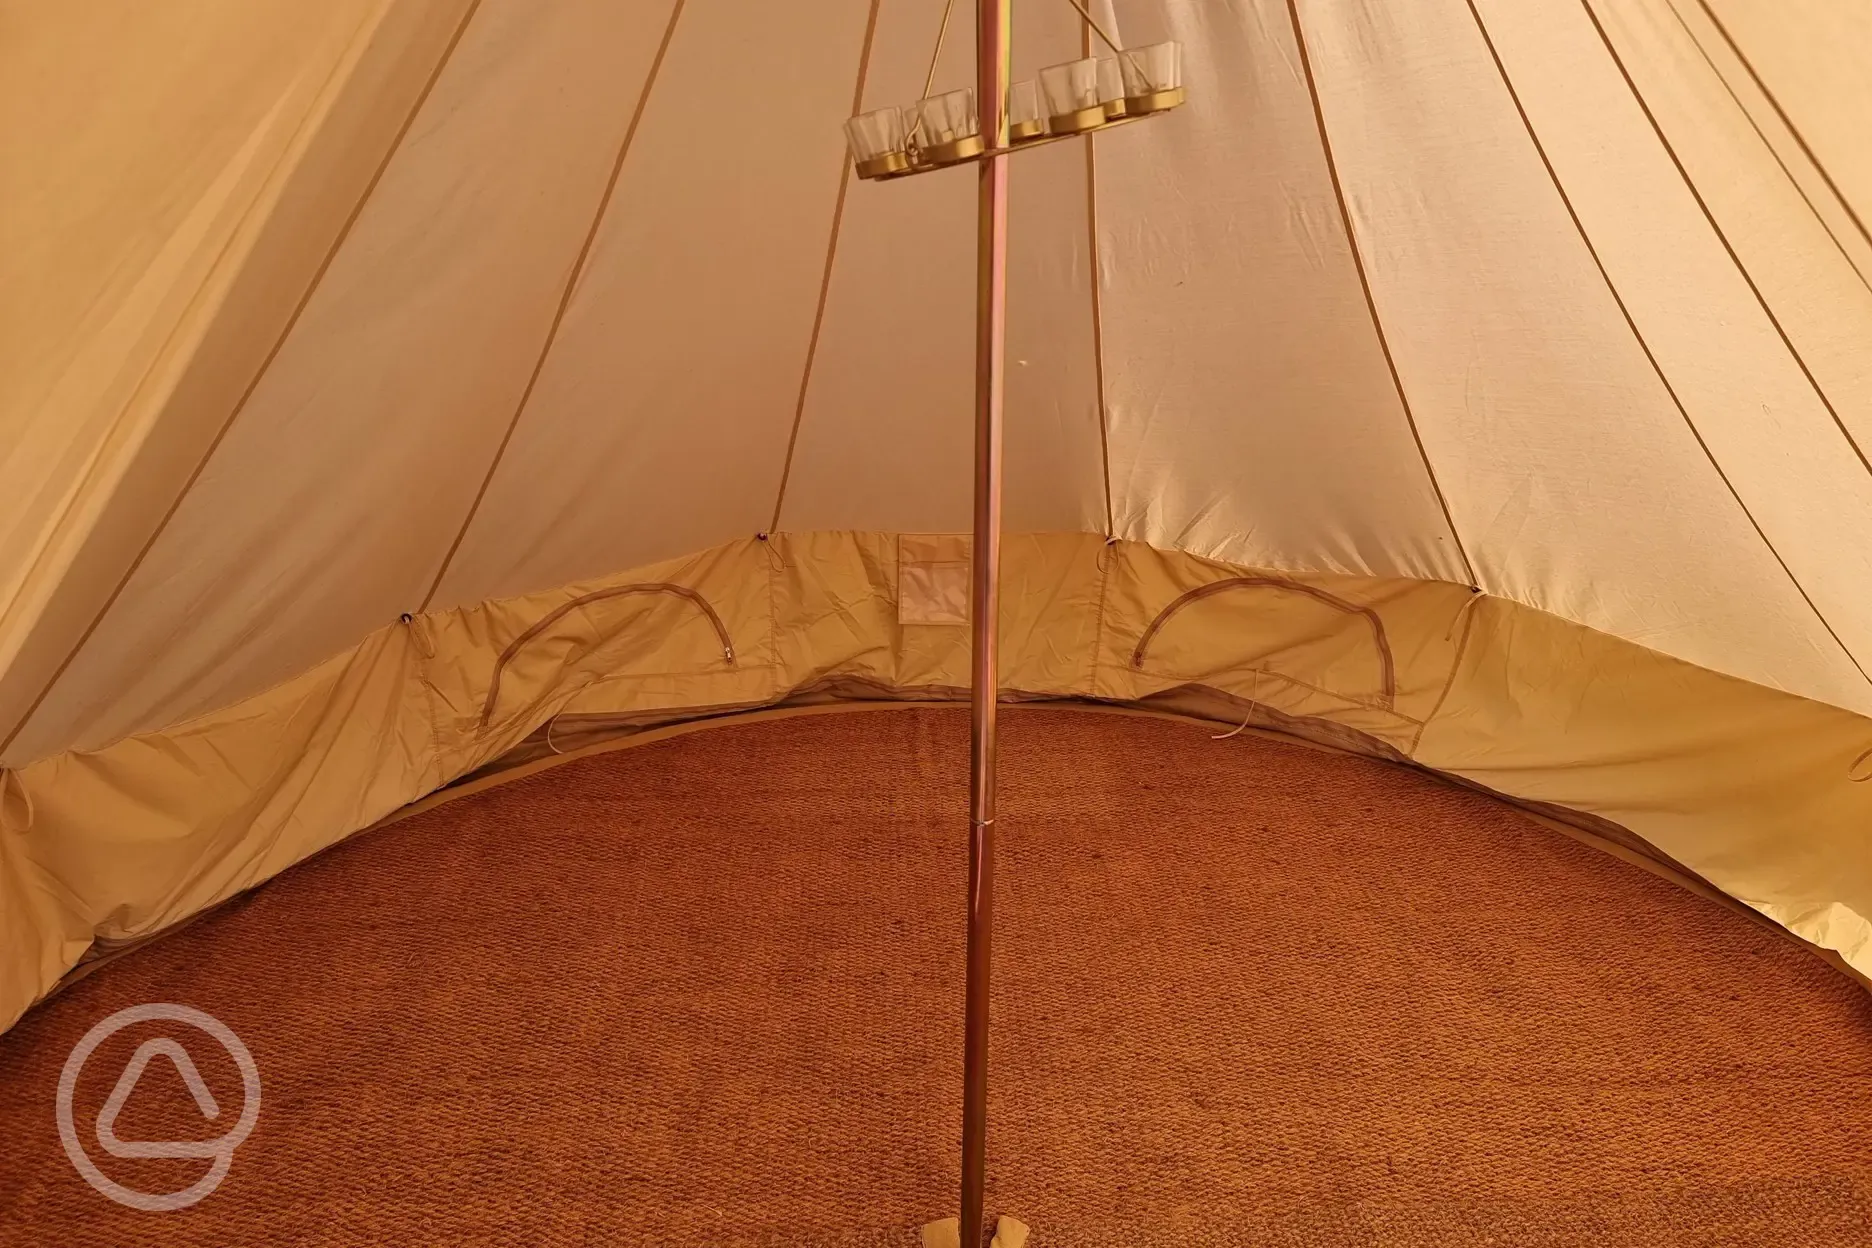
column 1067, row 100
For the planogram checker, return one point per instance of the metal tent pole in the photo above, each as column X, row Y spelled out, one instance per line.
column 991, row 88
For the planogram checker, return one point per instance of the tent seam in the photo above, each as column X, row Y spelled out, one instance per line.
column 1456, row 663
column 1631, row 323
column 1768, row 144
column 565, row 303
column 775, row 563
column 1780, row 112
column 74, row 500
column 1723, row 237
column 1371, row 302
column 240, row 406
column 1103, row 561
column 825, row 278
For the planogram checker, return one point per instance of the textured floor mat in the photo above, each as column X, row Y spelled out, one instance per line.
column 707, row 991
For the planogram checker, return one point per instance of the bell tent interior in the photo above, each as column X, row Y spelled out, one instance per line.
column 1411, row 496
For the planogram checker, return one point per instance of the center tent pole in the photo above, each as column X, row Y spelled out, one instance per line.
column 992, row 40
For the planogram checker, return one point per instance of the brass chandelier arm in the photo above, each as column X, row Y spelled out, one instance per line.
column 995, row 153
column 942, row 34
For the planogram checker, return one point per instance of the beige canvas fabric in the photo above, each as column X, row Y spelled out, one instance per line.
column 1536, row 332
column 1748, row 787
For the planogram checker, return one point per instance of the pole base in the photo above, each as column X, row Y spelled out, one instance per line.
column 947, row 1233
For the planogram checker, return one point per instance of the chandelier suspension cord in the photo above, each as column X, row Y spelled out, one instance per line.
column 929, row 79
column 1109, row 42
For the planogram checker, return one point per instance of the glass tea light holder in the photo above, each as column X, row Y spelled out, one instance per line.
column 1153, row 78
column 877, row 143
column 1026, row 120
column 1111, row 87
column 949, row 131
column 1072, row 97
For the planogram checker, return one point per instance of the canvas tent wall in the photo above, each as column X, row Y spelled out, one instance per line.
column 1514, row 358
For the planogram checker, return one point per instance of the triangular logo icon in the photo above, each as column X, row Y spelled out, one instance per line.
column 184, row 1065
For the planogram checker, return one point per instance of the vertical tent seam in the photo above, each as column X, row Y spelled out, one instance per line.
column 240, row 405
column 1456, row 662
column 1632, row 324
column 342, row 691
column 1102, row 561
column 415, row 632
column 775, row 562
column 565, row 302
column 1767, row 143
column 1721, row 237
column 1371, row 302
column 825, row 277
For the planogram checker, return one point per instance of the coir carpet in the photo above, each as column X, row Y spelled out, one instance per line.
column 708, row 991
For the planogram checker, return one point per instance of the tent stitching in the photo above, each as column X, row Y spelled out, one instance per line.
column 825, row 278
column 63, row 516
column 1456, row 663
column 1371, row 302
column 1723, row 238
column 1767, row 143
column 240, row 406
column 1103, row 562
column 1785, row 120
column 565, row 302
column 1631, row 322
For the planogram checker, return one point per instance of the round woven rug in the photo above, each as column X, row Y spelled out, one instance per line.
column 708, row 991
